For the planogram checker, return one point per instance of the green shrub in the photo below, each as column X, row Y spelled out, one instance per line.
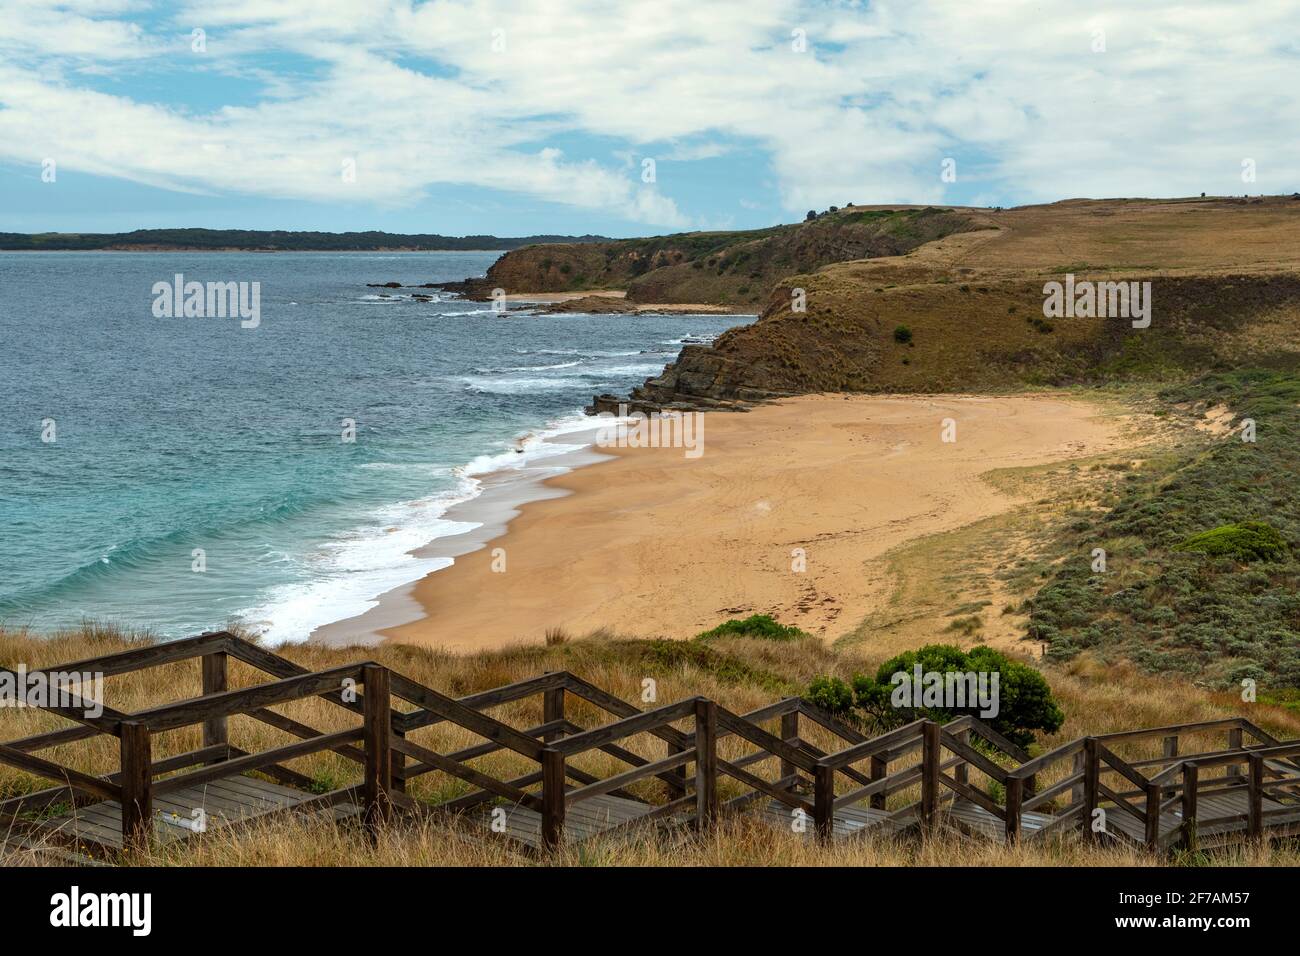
column 903, row 335
column 759, row 625
column 1247, row 541
column 832, row 695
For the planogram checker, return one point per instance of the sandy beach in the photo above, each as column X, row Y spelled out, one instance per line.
column 649, row 542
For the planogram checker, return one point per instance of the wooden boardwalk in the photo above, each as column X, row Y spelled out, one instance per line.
column 1206, row 784
column 237, row 799
column 591, row 818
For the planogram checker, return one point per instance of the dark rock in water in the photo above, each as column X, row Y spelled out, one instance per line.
column 590, row 305
column 475, row 290
column 383, row 285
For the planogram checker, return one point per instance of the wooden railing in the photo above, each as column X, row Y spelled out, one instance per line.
column 918, row 775
column 135, row 785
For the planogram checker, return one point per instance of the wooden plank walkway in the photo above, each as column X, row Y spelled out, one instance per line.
column 1234, row 803
column 1229, row 777
column 855, row 821
column 230, row 800
column 848, row 822
column 583, row 821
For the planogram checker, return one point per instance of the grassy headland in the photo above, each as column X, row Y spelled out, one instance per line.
column 733, row 269
column 972, row 304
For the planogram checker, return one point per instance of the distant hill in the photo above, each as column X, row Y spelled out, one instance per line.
column 963, row 311
column 254, row 240
column 732, row 269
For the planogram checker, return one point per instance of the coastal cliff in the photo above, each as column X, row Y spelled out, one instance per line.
column 965, row 312
column 735, row 270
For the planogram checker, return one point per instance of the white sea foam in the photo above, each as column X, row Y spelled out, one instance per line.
column 489, row 385
column 585, row 353
column 346, row 577
column 526, row 368
column 528, row 449
column 652, row 369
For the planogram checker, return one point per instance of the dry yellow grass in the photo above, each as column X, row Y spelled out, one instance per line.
column 739, row 675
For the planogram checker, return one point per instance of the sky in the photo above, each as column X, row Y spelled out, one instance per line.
column 626, row 118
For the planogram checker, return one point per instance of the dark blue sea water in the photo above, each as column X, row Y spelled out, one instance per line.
column 173, row 436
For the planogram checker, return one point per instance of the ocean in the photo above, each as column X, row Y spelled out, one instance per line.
column 179, row 474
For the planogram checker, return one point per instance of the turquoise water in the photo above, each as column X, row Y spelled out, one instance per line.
column 173, row 435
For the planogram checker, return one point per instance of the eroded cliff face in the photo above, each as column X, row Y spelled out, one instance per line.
column 734, row 270
column 990, row 336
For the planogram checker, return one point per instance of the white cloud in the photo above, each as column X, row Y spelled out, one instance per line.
column 416, row 93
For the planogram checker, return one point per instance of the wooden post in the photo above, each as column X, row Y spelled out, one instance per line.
column 1015, row 796
column 376, row 726
column 1076, row 792
column 676, row 777
column 789, row 734
column 1234, row 743
column 1191, row 780
column 706, row 764
column 397, row 776
column 137, row 779
column 552, row 709
column 215, row 681
column 1169, row 749
column 879, row 770
column 961, row 772
column 552, row 799
column 930, row 752
column 824, row 802
column 1091, row 777
column 1153, row 816
column 1255, row 798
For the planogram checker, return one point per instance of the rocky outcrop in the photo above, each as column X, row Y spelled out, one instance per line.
column 590, row 305
column 700, row 379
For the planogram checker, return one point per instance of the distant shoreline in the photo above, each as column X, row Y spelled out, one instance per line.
column 273, row 240
column 158, row 249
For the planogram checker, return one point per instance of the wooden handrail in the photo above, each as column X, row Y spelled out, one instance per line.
column 231, row 702
column 641, row 722
column 53, row 771
column 873, row 746
column 256, row 761
column 152, row 655
column 451, row 709
column 381, row 747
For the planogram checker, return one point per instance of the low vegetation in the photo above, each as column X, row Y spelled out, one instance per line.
column 1193, row 569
